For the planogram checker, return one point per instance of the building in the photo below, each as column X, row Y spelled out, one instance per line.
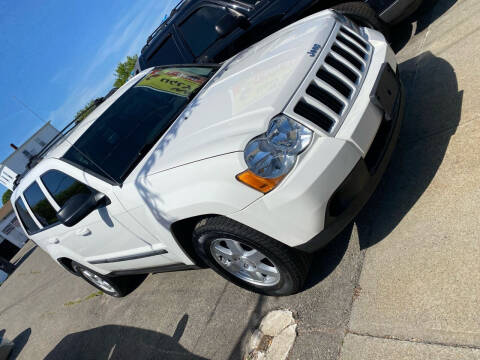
column 17, row 162
column 12, row 237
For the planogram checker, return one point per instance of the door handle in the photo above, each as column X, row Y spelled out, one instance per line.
column 53, row 241
column 83, row 232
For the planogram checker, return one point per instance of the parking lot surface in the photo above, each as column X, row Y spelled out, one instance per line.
column 401, row 283
column 179, row 315
column 421, row 280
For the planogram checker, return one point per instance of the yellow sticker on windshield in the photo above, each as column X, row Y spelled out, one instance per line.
column 174, row 81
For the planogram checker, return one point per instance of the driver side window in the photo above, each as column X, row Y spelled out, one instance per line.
column 62, row 187
column 40, row 206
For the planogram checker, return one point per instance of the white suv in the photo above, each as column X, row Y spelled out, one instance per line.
column 245, row 167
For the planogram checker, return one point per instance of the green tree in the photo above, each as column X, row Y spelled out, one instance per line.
column 6, row 196
column 124, row 69
column 86, row 110
column 122, row 73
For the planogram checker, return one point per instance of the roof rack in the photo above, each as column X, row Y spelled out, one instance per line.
column 175, row 9
column 163, row 23
column 34, row 160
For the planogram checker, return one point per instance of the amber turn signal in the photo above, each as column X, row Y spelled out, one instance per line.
column 257, row 182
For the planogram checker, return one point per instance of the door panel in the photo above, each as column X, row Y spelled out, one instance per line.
column 144, row 205
column 106, row 233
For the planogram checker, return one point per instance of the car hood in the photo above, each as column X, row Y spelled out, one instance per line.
column 244, row 95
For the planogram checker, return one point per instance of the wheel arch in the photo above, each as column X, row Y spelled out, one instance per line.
column 182, row 231
column 67, row 265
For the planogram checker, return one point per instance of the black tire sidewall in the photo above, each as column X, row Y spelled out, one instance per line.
column 362, row 14
column 118, row 292
column 362, row 21
column 202, row 244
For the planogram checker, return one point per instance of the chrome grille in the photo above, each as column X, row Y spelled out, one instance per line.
column 333, row 84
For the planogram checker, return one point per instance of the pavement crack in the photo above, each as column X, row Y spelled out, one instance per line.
column 212, row 313
column 414, row 340
column 329, row 331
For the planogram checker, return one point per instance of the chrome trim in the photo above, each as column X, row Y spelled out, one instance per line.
column 311, row 78
column 128, row 257
column 251, row 266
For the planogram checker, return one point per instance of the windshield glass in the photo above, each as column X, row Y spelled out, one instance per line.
column 128, row 129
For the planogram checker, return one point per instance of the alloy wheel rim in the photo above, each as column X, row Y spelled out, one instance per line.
column 97, row 280
column 244, row 262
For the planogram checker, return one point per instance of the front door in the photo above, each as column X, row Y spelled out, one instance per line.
column 108, row 238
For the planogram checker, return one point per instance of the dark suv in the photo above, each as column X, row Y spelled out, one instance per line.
column 206, row 31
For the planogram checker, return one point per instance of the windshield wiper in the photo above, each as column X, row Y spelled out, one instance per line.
column 194, row 93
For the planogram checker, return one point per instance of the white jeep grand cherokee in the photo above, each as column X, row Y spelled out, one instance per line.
column 246, row 167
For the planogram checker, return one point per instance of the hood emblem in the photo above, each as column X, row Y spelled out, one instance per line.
column 314, row 50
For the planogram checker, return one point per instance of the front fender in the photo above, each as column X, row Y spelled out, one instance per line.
column 202, row 187
column 208, row 186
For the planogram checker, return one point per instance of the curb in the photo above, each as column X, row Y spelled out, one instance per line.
column 274, row 338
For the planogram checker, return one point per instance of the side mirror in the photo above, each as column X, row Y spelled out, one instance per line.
column 79, row 206
column 231, row 21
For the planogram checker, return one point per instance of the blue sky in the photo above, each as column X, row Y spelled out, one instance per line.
column 56, row 55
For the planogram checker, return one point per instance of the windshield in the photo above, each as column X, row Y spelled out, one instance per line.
column 114, row 144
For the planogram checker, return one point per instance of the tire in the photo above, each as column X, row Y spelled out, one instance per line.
column 284, row 269
column 115, row 286
column 6, row 266
column 363, row 15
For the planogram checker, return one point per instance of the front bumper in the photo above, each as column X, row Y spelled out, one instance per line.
column 356, row 189
column 329, row 183
column 332, row 182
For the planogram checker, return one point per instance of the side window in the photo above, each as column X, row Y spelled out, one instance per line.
column 166, row 53
column 41, row 208
column 40, row 142
column 25, row 217
column 62, row 187
column 199, row 29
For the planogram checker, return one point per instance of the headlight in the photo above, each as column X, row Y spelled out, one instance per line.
column 273, row 154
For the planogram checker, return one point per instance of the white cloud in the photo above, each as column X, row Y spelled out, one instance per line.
column 126, row 38
column 79, row 98
column 59, row 75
